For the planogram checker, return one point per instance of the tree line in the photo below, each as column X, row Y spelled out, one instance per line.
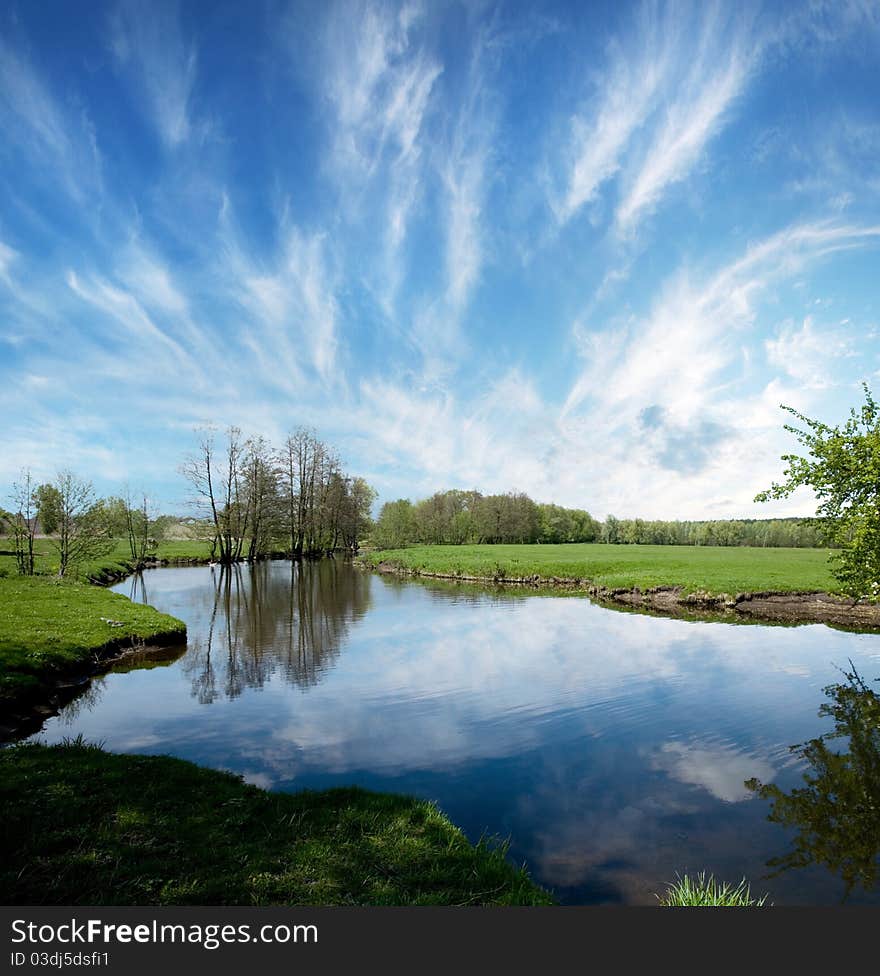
column 253, row 499
column 250, row 499
column 468, row 517
column 79, row 525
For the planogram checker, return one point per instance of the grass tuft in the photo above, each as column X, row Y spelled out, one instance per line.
column 703, row 891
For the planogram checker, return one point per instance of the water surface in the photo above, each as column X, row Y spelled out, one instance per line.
column 610, row 748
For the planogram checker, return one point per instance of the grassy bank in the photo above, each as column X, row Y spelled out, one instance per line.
column 83, row 826
column 116, row 561
column 51, row 629
column 709, row 569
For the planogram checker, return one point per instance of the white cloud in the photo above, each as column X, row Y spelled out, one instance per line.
column 125, row 310
column 719, row 769
column 393, row 134
column 381, row 83
column 148, row 41
column 25, row 96
column 626, row 97
column 493, row 442
column 464, row 176
column 7, row 257
column 684, row 361
column 380, row 86
column 345, row 297
column 806, row 353
column 153, row 282
column 666, row 90
column 679, row 140
column 674, row 356
column 666, row 400
column 60, row 142
column 292, row 325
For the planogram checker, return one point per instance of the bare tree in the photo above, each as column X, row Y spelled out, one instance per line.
column 300, row 462
column 288, row 458
column 141, row 527
column 261, row 491
column 198, row 469
column 218, row 483
column 23, row 522
column 83, row 532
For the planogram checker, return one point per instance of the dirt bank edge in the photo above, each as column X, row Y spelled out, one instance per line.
column 778, row 607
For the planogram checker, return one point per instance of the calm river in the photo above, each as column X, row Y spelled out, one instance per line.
column 610, row 748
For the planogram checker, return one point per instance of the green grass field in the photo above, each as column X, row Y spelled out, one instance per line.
column 116, row 560
column 85, row 827
column 710, row 569
column 48, row 627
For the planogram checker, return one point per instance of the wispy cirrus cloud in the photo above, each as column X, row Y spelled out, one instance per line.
column 664, row 93
column 124, row 310
column 465, row 158
column 7, row 258
column 26, row 99
column 690, row 121
column 666, row 393
column 381, row 85
column 350, row 254
column 464, row 175
column 627, row 94
column 292, row 315
column 148, row 44
column 445, row 440
column 675, row 355
column 57, row 139
column 808, row 353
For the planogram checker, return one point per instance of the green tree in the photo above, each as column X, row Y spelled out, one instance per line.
column 842, row 467
column 611, row 531
column 355, row 520
column 555, row 524
column 48, row 508
column 116, row 516
column 396, row 525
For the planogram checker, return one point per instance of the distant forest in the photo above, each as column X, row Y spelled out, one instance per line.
column 461, row 517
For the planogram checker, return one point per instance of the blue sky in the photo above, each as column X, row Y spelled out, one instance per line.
column 578, row 250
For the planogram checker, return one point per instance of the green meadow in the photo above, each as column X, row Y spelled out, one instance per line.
column 49, row 628
column 116, row 561
column 708, row 569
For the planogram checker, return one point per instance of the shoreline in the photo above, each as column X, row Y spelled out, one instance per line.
column 87, row 826
column 110, row 575
column 24, row 715
column 768, row 606
column 55, row 639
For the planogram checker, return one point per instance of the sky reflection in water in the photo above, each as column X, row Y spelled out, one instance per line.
column 612, row 748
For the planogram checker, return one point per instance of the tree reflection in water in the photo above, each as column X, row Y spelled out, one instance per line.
column 836, row 815
column 84, row 702
column 264, row 622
